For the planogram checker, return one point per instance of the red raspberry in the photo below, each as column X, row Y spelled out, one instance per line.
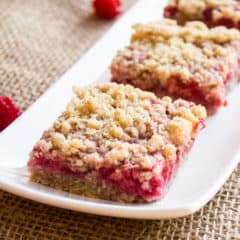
column 107, row 9
column 8, row 112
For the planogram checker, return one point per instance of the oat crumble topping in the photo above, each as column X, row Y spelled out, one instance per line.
column 115, row 124
column 192, row 32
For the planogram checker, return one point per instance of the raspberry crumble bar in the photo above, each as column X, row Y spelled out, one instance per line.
column 191, row 61
column 212, row 12
column 116, row 142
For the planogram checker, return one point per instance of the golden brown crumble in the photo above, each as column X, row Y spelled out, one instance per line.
column 192, row 32
column 193, row 9
column 115, row 124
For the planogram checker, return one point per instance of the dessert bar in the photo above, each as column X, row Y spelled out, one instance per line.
column 116, row 142
column 193, row 61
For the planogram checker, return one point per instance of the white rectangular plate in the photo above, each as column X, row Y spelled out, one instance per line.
column 210, row 162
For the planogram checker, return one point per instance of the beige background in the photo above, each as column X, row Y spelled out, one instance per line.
column 39, row 40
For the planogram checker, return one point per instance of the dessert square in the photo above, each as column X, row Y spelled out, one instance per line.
column 191, row 61
column 212, row 12
column 116, row 142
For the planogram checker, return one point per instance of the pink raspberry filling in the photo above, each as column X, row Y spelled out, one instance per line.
column 170, row 11
column 224, row 21
column 124, row 179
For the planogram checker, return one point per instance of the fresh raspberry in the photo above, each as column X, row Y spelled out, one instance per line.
column 107, row 9
column 8, row 112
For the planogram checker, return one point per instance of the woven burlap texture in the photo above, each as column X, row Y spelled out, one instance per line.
column 39, row 40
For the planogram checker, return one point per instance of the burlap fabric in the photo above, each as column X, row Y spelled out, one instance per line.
column 39, row 40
